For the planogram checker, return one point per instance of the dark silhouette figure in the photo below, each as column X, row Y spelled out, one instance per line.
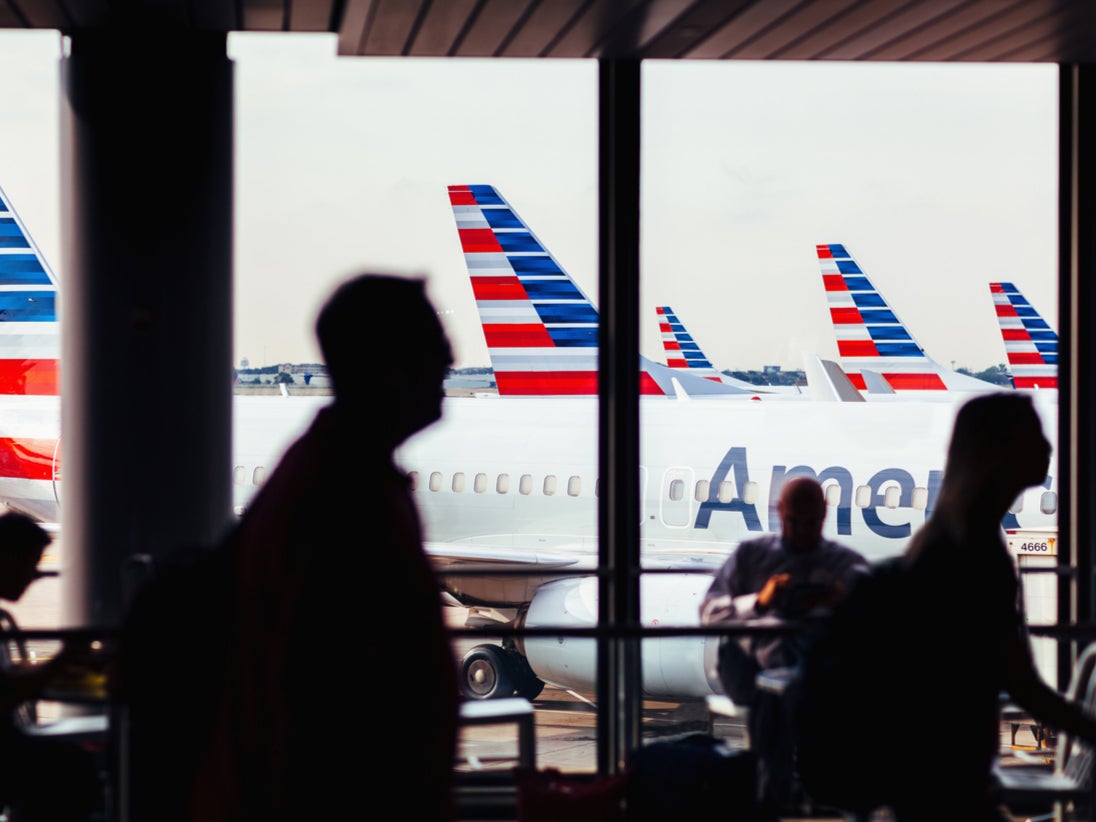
column 788, row 576
column 341, row 682
column 931, row 640
column 41, row 780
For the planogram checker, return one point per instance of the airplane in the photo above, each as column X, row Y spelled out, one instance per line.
column 510, row 484
column 875, row 349
column 1030, row 343
column 683, row 352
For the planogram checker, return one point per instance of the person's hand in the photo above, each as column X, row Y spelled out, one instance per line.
column 771, row 592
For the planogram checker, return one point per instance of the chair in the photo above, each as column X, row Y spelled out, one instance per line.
column 1067, row 789
column 13, row 651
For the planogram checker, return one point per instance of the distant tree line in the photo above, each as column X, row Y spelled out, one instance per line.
column 996, row 374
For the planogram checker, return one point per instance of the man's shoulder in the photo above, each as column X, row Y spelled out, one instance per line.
column 838, row 549
column 765, row 542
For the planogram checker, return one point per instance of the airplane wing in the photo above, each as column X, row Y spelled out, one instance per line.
column 543, row 565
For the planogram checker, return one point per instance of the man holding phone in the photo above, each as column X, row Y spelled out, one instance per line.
column 787, row 576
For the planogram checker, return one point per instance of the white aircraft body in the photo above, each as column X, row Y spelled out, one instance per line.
column 510, row 483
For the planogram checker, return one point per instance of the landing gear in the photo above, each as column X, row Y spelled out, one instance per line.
column 494, row 672
column 526, row 683
column 485, row 673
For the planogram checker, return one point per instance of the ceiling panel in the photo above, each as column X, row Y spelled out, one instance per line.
column 881, row 30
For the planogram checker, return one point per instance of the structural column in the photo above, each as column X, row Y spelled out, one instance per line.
column 146, row 307
column 1077, row 363
column 619, row 665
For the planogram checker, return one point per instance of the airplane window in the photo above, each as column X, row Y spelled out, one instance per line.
column 550, row 484
column 502, row 484
column 1048, row 502
column 1017, row 505
column 677, row 490
column 258, row 476
column 458, row 481
column 892, row 496
column 239, row 475
column 726, row 491
column 525, row 484
column 597, row 487
column 749, row 493
column 479, row 484
column 435, row 481
column 413, row 479
column 702, row 489
column 833, row 494
column 574, row 486
column 920, row 498
column 863, row 496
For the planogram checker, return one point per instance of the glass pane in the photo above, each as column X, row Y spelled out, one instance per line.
column 822, row 242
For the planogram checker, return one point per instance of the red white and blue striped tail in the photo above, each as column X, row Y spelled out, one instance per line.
column 871, row 340
column 682, row 351
column 541, row 329
column 1030, row 343
column 30, row 341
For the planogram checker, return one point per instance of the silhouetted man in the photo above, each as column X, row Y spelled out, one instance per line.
column 789, row 575
column 339, row 645
column 41, row 779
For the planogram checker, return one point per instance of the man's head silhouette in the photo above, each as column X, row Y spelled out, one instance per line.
column 387, row 354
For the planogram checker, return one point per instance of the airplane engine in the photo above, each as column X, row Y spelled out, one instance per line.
column 675, row 667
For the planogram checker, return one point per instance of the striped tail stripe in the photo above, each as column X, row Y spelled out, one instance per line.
column 682, row 351
column 29, row 334
column 1031, row 345
column 869, row 334
column 541, row 329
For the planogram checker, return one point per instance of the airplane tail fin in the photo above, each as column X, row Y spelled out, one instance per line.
column 30, row 341
column 541, row 329
column 870, row 337
column 1030, row 343
column 682, row 351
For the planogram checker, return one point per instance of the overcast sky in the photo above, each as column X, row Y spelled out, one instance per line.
column 938, row 178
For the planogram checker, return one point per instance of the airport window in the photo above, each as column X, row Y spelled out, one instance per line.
column 700, row 493
column 458, row 482
column 574, row 486
column 920, row 498
column 550, row 485
column 677, row 490
column 1048, row 502
column 258, row 476
column 750, row 493
column 525, row 484
column 726, row 491
column 862, row 497
column 239, row 475
column 502, row 484
column 435, row 480
column 479, row 484
column 892, row 497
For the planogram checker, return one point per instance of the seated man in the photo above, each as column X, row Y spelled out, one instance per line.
column 790, row 575
column 41, row 779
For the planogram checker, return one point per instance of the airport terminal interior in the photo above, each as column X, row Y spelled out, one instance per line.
column 585, row 169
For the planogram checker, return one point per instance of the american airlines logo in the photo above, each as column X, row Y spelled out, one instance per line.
column 891, row 489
